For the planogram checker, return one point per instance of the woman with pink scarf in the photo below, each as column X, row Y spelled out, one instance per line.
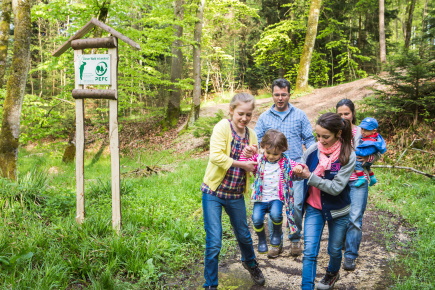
column 330, row 162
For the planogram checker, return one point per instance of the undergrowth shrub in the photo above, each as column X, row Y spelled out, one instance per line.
column 203, row 127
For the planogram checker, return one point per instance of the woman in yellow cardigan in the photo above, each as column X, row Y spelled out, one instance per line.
column 225, row 181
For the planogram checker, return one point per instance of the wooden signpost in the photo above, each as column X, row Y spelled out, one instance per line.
column 96, row 69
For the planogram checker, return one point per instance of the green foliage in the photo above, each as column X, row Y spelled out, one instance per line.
column 410, row 93
column 412, row 196
column 203, row 127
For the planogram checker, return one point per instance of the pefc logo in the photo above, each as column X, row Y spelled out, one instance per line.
column 101, row 68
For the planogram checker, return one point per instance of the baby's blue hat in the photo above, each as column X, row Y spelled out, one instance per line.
column 369, row 123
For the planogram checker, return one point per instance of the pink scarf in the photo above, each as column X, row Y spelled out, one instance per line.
column 327, row 156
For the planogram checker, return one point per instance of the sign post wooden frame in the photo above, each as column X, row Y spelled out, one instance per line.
column 79, row 94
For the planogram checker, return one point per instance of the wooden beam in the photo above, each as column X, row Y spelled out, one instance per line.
column 80, row 151
column 106, row 42
column 82, row 32
column 94, row 94
column 114, row 143
column 116, row 33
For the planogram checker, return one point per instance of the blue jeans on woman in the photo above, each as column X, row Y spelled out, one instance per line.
column 273, row 208
column 358, row 198
column 212, row 210
column 313, row 228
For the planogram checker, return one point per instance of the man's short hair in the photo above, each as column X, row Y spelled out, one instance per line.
column 281, row 83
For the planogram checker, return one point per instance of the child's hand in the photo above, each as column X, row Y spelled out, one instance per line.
column 298, row 169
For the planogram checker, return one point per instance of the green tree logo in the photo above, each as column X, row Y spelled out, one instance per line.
column 101, row 68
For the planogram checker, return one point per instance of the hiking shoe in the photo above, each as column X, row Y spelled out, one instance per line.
column 255, row 272
column 349, row 264
column 274, row 252
column 210, row 288
column 328, row 280
column 295, row 249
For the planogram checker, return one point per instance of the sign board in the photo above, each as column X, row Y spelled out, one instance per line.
column 93, row 69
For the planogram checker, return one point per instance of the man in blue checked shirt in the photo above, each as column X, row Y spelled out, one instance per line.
column 295, row 125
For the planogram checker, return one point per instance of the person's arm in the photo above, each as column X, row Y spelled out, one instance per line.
column 307, row 132
column 336, row 185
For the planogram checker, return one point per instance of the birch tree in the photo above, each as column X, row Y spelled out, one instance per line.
column 310, row 39
column 382, row 43
column 10, row 131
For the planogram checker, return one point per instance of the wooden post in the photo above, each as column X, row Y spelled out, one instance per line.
column 80, row 149
column 114, row 141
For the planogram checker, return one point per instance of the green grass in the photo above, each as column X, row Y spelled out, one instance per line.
column 42, row 247
column 411, row 196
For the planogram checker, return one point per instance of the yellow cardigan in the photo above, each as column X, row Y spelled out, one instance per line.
column 220, row 148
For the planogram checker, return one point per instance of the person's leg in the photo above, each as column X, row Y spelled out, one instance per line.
column 298, row 212
column 258, row 214
column 358, row 198
column 337, row 231
column 313, row 228
column 236, row 210
column 359, row 170
column 275, row 209
column 212, row 211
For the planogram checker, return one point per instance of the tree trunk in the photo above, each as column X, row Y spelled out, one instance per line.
column 408, row 22
column 196, row 97
column 173, row 110
column 10, row 132
column 382, row 45
column 4, row 37
column 310, row 39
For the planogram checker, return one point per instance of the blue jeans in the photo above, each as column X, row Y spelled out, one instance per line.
column 360, row 165
column 273, row 208
column 212, row 211
column 358, row 198
column 298, row 187
column 313, row 228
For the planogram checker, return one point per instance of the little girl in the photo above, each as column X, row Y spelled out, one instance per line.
column 272, row 188
column 225, row 181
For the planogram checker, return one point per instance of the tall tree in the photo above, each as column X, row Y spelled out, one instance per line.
column 310, row 39
column 408, row 22
column 10, row 132
column 173, row 110
column 197, row 34
column 4, row 37
column 382, row 44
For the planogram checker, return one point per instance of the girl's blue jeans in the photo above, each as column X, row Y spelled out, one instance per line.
column 313, row 228
column 212, row 210
column 358, row 203
column 273, row 208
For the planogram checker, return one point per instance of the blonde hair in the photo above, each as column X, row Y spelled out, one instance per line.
column 241, row 98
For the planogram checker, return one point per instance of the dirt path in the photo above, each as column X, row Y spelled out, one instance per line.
column 380, row 228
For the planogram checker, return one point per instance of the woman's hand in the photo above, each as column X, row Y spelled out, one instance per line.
column 250, row 151
column 305, row 173
column 249, row 166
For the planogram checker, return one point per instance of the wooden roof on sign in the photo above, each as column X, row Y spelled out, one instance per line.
column 85, row 29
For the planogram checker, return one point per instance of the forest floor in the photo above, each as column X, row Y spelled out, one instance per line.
column 385, row 236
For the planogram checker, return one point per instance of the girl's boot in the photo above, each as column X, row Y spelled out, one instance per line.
column 262, row 243
column 275, row 240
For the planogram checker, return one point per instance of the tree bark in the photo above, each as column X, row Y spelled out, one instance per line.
column 382, row 44
column 408, row 22
column 197, row 34
column 173, row 110
column 310, row 40
column 5, row 24
column 10, row 132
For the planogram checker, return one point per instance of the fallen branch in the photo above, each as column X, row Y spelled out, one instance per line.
column 423, row 151
column 403, row 167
